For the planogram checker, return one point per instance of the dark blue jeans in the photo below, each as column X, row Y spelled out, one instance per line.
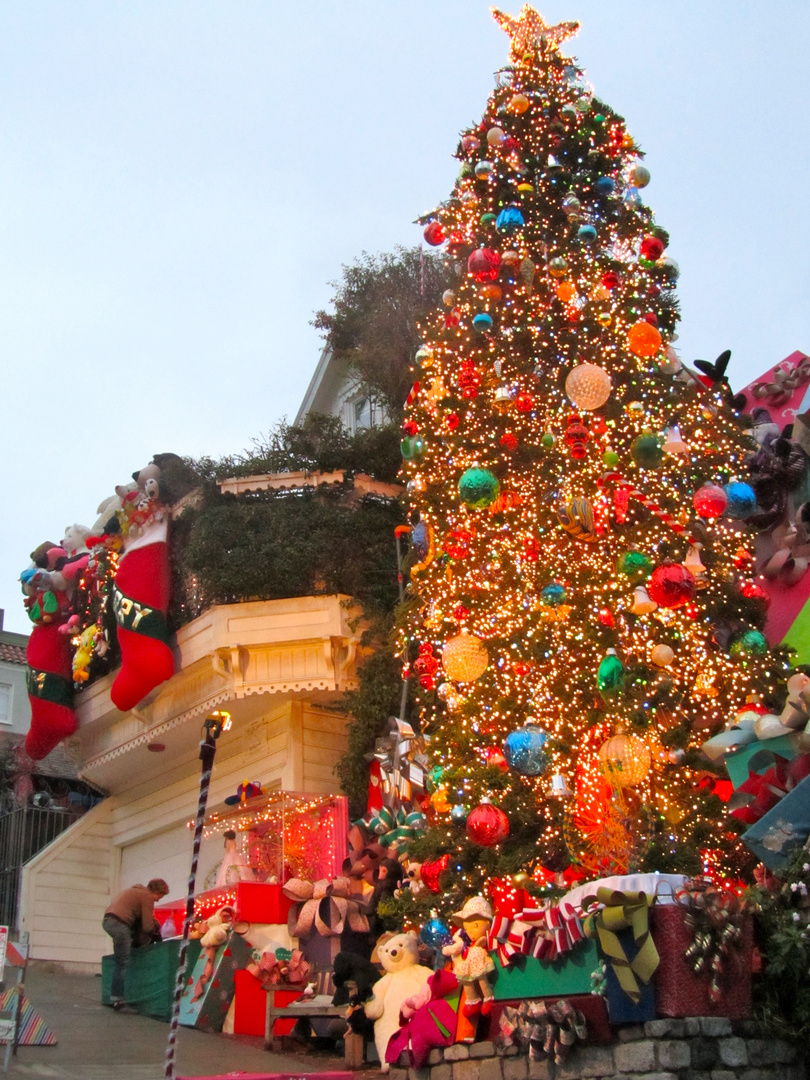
column 121, row 935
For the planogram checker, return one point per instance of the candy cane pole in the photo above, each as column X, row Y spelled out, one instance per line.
column 655, row 508
column 208, row 748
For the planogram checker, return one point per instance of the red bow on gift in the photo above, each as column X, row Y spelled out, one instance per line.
column 762, row 791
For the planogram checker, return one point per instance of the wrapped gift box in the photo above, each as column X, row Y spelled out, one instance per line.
column 527, row 977
column 210, row 1009
column 261, row 903
column 777, row 834
column 679, row 991
column 785, row 746
column 620, row 1006
column 151, row 975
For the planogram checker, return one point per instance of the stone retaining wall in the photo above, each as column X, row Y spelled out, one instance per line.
column 699, row 1048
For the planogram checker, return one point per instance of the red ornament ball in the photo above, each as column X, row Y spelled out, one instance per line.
column 651, row 248
column 611, row 280
column 493, row 756
column 710, row 501
column 434, row 234
column 524, row 402
column 671, row 586
column 487, row 825
column 451, row 421
column 508, row 441
column 484, row 264
column 752, row 590
column 651, row 318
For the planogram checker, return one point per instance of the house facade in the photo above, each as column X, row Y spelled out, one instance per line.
column 15, row 711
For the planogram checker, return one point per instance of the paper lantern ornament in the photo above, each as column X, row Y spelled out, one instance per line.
column 624, row 760
column 487, row 825
column 465, row 658
column 525, row 751
column 671, row 585
column 588, row 386
column 478, row 488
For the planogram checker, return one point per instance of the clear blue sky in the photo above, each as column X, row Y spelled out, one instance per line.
column 181, row 179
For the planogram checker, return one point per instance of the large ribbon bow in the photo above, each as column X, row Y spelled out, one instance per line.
column 395, row 826
column 620, row 911
column 325, row 907
column 784, row 380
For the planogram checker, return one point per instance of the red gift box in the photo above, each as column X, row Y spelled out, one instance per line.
column 250, row 1004
column 261, row 903
column 681, row 992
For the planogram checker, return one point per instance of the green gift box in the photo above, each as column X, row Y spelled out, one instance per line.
column 785, row 746
column 149, row 985
column 527, row 977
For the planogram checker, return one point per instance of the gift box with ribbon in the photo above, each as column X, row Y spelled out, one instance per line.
column 770, row 778
column 705, row 943
column 782, row 829
column 620, row 922
column 527, row 977
column 738, row 762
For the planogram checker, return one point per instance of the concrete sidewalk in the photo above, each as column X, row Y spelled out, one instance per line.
column 96, row 1043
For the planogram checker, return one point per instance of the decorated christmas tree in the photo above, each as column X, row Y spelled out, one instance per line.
column 583, row 612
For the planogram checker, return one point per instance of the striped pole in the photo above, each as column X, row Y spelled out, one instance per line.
column 208, row 748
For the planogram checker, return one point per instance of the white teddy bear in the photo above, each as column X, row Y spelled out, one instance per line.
column 404, row 976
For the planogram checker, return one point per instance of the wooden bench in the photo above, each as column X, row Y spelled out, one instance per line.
column 310, row 1008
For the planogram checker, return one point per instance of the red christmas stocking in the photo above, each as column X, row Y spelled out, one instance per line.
column 140, row 602
column 50, row 690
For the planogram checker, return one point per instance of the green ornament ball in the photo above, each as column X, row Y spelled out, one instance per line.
column 487, row 221
column 547, row 440
column 610, row 676
column 610, row 459
column 646, row 450
column 749, row 643
column 634, row 564
column 478, row 488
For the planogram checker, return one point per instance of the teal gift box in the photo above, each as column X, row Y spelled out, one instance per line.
column 205, row 1005
column 151, row 975
column 777, row 834
column 785, row 746
column 527, row 977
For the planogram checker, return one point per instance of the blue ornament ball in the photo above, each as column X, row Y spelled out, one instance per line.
column 435, row 934
column 553, row 594
column 525, row 751
column 605, row 185
column 482, row 322
column 458, row 815
column 510, row 220
column 741, row 500
column 478, row 488
column 586, row 233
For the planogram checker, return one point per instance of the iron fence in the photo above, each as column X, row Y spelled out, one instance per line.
column 24, row 831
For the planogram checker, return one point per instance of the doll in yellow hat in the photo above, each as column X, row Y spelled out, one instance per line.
column 468, row 950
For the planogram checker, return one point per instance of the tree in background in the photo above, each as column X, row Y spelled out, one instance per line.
column 586, row 578
column 379, row 305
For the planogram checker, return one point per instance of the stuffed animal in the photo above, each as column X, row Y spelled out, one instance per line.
column 471, row 961
column 403, row 977
column 354, row 978
column 212, row 933
column 412, row 881
column 431, row 1020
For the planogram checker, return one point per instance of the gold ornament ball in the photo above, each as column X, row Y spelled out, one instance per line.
column 624, row 760
column 448, row 298
column 662, row 655
column 465, row 658
column 605, row 318
column 521, row 880
column 588, row 386
column 519, row 104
